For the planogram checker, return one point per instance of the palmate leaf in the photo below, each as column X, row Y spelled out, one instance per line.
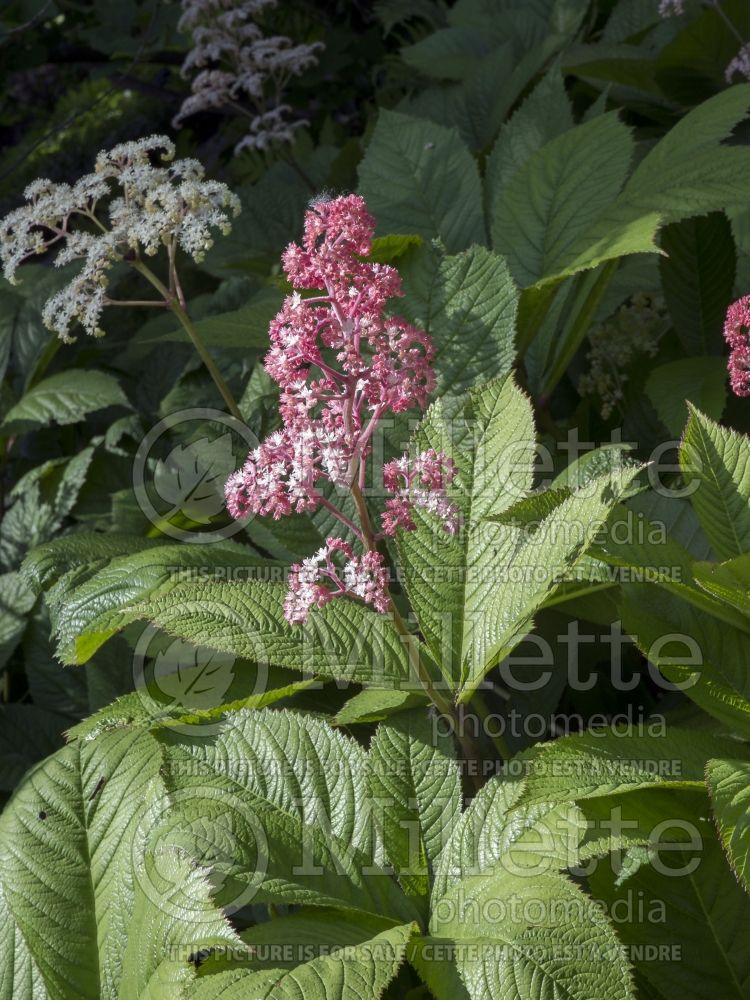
column 276, row 805
column 475, row 593
column 729, row 786
column 418, row 177
column 501, row 907
column 716, row 463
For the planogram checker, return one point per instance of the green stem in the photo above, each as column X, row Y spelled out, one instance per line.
column 442, row 704
column 191, row 331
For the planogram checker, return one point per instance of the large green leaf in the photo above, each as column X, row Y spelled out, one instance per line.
column 618, row 760
column 344, row 640
column 414, row 780
column 688, row 928
column 448, row 578
column 716, row 463
column 276, row 804
column 64, row 398
column 475, row 593
column 549, row 215
column 514, row 935
column 467, row 303
column 545, row 114
column 693, row 170
column 706, row 656
column 356, row 959
column 697, row 277
column 66, row 878
column 85, row 606
column 419, row 178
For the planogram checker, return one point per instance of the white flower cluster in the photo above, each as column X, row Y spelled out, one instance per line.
column 236, row 64
column 740, row 64
column 155, row 206
column 667, row 8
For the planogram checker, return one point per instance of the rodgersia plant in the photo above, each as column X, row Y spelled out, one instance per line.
column 128, row 209
column 236, row 65
column 342, row 363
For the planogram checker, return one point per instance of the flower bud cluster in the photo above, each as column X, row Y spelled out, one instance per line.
column 341, row 363
column 235, row 62
column 148, row 207
column 737, row 335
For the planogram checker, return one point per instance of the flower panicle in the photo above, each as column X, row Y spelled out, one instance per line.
column 147, row 208
column 342, row 363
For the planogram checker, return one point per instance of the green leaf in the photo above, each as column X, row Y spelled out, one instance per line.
column 85, row 608
column 729, row 784
column 716, row 463
column 467, row 303
column 46, row 563
column 542, row 917
column 500, row 832
column 700, row 381
column 448, row 578
column 548, row 217
column 419, row 178
column 174, row 916
column 693, row 170
column 729, row 581
column 66, row 881
column 617, row 760
column 697, row 276
column 475, row 593
column 16, row 600
column 363, row 967
column 414, row 779
column 280, row 804
column 701, row 653
column 64, row 398
column 344, row 640
column 376, row 704
column 697, row 918
column 544, row 115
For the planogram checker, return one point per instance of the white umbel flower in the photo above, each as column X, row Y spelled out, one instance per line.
column 236, row 64
column 146, row 208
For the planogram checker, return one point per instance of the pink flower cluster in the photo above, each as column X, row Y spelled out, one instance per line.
column 737, row 335
column 419, row 482
column 341, row 363
column 364, row 576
